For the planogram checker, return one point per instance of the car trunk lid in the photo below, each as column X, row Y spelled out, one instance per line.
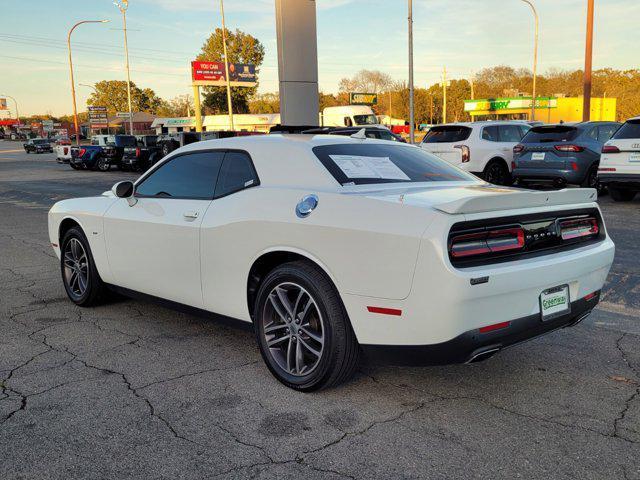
column 546, row 147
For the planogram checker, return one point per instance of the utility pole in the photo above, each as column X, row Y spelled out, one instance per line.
column 431, row 108
column 471, row 83
column 444, row 84
column 73, row 85
column 226, row 65
column 411, row 112
column 535, row 58
column 122, row 6
column 588, row 57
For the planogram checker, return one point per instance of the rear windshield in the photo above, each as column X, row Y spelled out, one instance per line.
column 630, row 129
column 556, row 133
column 357, row 164
column 125, row 141
column 447, row 134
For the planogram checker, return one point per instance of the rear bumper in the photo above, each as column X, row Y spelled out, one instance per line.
column 549, row 175
column 629, row 180
column 473, row 345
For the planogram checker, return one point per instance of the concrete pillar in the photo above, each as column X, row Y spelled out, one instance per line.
column 297, row 61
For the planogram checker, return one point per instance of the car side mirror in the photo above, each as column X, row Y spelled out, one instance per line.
column 125, row 190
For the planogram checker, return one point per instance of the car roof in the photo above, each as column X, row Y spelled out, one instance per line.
column 287, row 160
column 481, row 123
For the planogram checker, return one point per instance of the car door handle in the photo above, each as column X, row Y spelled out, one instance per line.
column 191, row 215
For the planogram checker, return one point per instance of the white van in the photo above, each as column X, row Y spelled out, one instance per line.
column 348, row 116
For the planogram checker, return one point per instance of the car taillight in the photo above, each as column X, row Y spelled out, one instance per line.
column 518, row 148
column 466, row 153
column 610, row 149
column 568, row 148
column 137, row 152
column 574, row 166
column 578, row 228
column 513, row 164
column 65, row 150
column 81, row 152
column 492, row 241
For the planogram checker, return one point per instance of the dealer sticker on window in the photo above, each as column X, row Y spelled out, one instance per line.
column 555, row 302
column 358, row 166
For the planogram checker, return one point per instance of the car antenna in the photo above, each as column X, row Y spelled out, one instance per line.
column 361, row 134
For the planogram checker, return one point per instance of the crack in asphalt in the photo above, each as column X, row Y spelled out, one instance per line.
column 636, row 394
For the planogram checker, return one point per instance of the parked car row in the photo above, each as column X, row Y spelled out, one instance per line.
column 38, row 145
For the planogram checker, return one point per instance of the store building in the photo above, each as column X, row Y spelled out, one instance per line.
column 241, row 123
column 548, row 109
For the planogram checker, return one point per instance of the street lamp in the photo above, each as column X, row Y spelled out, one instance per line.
column 226, row 65
column 588, row 58
column 535, row 58
column 90, row 86
column 73, row 87
column 411, row 112
column 122, row 6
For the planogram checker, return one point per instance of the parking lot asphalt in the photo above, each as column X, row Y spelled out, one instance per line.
column 134, row 390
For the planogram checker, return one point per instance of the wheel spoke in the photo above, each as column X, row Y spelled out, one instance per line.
column 272, row 327
column 277, row 307
column 303, row 315
column 82, row 282
column 309, row 348
column 297, row 302
column 282, row 296
column 299, row 358
column 289, row 356
column 276, row 341
column 73, row 279
column 314, row 336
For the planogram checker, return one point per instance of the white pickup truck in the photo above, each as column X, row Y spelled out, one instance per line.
column 62, row 149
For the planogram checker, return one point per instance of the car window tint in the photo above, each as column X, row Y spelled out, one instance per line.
column 593, row 133
column 629, row 129
column 385, row 162
column 236, row 174
column 386, row 135
column 550, row 133
column 490, row 133
column 605, row 132
column 510, row 133
column 192, row 175
column 523, row 130
column 447, row 134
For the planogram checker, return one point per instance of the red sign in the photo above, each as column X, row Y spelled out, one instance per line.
column 8, row 122
column 213, row 73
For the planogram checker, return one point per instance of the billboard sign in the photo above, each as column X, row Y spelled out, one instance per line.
column 3, row 103
column 493, row 104
column 356, row 98
column 98, row 117
column 47, row 125
column 213, row 74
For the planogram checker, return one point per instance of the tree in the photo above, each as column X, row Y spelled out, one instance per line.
column 265, row 103
column 369, row 81
column 241, row 48
column 113, row 95
column 180, row 106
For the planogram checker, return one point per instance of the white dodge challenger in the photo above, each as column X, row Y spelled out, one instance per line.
column 331, row 247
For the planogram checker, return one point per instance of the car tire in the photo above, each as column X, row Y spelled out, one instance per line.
column 80, row 277
column 591, row 179
column 165, row 150
column 307, row 343
column 103, row 164
column 497, row 173
column 621, row 195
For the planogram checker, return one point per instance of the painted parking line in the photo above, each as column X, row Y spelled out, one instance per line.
column 12, row 151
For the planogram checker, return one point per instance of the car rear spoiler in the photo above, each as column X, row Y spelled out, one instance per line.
column 508, row 199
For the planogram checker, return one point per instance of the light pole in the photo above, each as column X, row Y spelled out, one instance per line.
column 122, row 6
column 226, row 66
column 73, row 86
column 535, row 58
column 588, row 56
column 411, row 112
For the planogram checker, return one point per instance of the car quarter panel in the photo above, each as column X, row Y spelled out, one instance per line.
column 444, row 304
column 368, row 246
column 88, row 213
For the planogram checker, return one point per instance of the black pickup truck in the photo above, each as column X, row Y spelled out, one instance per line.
column 144, row 155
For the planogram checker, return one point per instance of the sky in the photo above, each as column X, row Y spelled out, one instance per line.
column 165, row 35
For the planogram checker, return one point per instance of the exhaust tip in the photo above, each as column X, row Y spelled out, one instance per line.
column 483, row 355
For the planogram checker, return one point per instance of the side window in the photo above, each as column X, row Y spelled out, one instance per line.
column 192, row 175
column 510, row 133
column 236, row 174
column 348, row 122
column 490, row 133
column 605, row 132
column 593, row 134
column 523, row 129
column 371, row 134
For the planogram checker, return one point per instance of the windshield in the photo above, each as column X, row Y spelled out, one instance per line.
column 125, row 141
column 357, row 164
column 447, row 134
column 365, row 119
column 547, row 134
column 40, row 141
column 630, row 129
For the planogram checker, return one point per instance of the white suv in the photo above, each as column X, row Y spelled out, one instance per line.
column 482, row 148
column 619, row 166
